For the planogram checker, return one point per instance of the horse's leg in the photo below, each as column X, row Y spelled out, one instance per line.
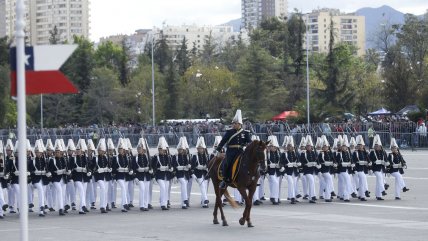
column 251, row 191
column 248, row 204
column 223, row 218
column 217, row 202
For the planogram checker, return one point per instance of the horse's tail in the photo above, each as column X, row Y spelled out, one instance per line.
column 230, row 199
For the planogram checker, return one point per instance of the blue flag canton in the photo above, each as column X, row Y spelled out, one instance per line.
column 28, row 58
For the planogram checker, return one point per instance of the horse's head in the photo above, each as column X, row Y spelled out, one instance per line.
column 260, row 147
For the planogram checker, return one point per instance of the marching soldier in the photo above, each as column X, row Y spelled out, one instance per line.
column 112, row 184
column 289, row 160
column 326, row 160
column 121, row 171
column 200, row 169
column 3, row 182
column 318, row 174
column 57, row 169
column 50, row 194
column 259, row 194
column 273, row 168
column 354, row 175
column 235, row 139
column 362, row 164
column 91, row 190
column 378, row 158
column 181, row 165
column 130, row 175
column 80, row 174
column 309, row 162
column 161, row 164
column 143, row 172
column 70, row 189
column 37, row 169
column 397, row 164
column 344, row 161
column 101, row 172
column 302, row 177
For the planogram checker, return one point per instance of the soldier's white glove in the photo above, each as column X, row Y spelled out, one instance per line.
column 171, row 169
column 189, row 166
column 28, row 173
column 352, row 165
column 370, row 164
column 299, row 164
column 49, row 174
column 318, row 166
column 334, row 165
column 387, row 164
column 89, row 174
column 282, row 169
column 215, row 152
column 405, row 166
column 151, row 171
column 6, row 177
column 110, row 170
column 69, row 172
column 131, row 172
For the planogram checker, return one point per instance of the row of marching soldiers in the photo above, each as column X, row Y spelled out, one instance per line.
column 350, row 161
column 60, row 173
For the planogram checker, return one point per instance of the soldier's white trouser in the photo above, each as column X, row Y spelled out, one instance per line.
column 123, row 189
column 279, row 186
column 203, row 187
column 150, row 191
column 311, row 185
column 103, row 193
column 189, row 187
column 379, row 184
column 355, row 183
column 144, row 187
column 130, row 191
column 304, row 184
column 163, row 188
column 112, row 189
column 274, row 186
column 328, row 180
column 399, row 183
column 169, row 189
column 59, row 193
column 64, row 191
column 340, row 186
column 16, row 194
column 290, row 183
column 296, row 184
column 30, row 194
column 183, row 186
column 10, row 196
column 2, row 201
column 80, row 188
column 262, row 187
column 256, row 194
column 237, row 195
column 362, row 184
column 322, row 187
column 91, row 192
column 346, row 185
column 50, row 195
column 40, row 193
column 70, row 193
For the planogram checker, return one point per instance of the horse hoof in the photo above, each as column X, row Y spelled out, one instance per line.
column 241, row 221
column 250, row 225
column 225, row 224
column 215, row 221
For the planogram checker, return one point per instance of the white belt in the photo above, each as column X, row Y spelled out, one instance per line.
column 327, row 164
column 290, row 164
column 201, row 167
column 311, row 164
column 396, row 165
column 102, row 170
column 362, row 163
column 181, row 168
column 80, row 169
column 273, row 165
column 346, row 164
column 16, row 173
column 122, row 169
column 163, row 168
column 39, row 173
column 143, row 169
column 379, row 162
column 60, row 172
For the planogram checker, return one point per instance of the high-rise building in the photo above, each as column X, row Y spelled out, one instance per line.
column 71, row 17
column 255, row 11
column 348, row 28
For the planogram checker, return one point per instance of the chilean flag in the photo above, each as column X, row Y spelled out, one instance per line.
column 42, row 73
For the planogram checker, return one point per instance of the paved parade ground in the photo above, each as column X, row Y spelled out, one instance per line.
column 406, row 219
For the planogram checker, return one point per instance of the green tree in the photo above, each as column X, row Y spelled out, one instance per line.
column 209, row 50
column 54, row 36
column 4, row 51
column 162, row 54
column 182, row 59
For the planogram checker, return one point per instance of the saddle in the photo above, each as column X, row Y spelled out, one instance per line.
column 236, row 165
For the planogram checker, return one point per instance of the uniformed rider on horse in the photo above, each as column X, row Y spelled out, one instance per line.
column 235, row 140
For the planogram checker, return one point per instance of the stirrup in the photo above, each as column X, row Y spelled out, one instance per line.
column 223, row 185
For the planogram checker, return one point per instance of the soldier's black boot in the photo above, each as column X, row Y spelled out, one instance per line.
column 405, row 189
column 85, row 209
column 42, row 213
column 61, row 212
column 367, row 194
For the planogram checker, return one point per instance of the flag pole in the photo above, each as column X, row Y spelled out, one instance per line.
column 22, row 125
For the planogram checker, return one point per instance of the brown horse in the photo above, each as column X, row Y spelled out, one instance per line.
column 246, row 179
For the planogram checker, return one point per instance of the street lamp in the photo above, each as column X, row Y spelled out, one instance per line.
column 153, row 85
column 307, row 68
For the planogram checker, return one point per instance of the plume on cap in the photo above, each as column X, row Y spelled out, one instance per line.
column 121, row 144
column 128, row 144
column 9, row 145
column 238, row 117
column 360, row 140
column 91, row 146
column 162, row 144
column 102, row 146
column 273, row 141
column 49, row 145
column 181, row 144
column 393, row 143
column 58, row 145
column 217, row 140
column 324, row 141
column 309, row 141
column 70, row 145
column 142, row 143
column 201, row 143
column 335, row 143
column 38, row 146
column 345, row 141
column 1, row 147
column 81, row 145
column 377, row 141
column 61, row 141
column 253, row 138
column 318, row 144
column 302, row 142
column 285, row 142
column 28, row 146
column 110, row 144
column 290, row 141
column 353, row 142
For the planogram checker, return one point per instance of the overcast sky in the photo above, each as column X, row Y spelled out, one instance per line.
column 111, row 17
